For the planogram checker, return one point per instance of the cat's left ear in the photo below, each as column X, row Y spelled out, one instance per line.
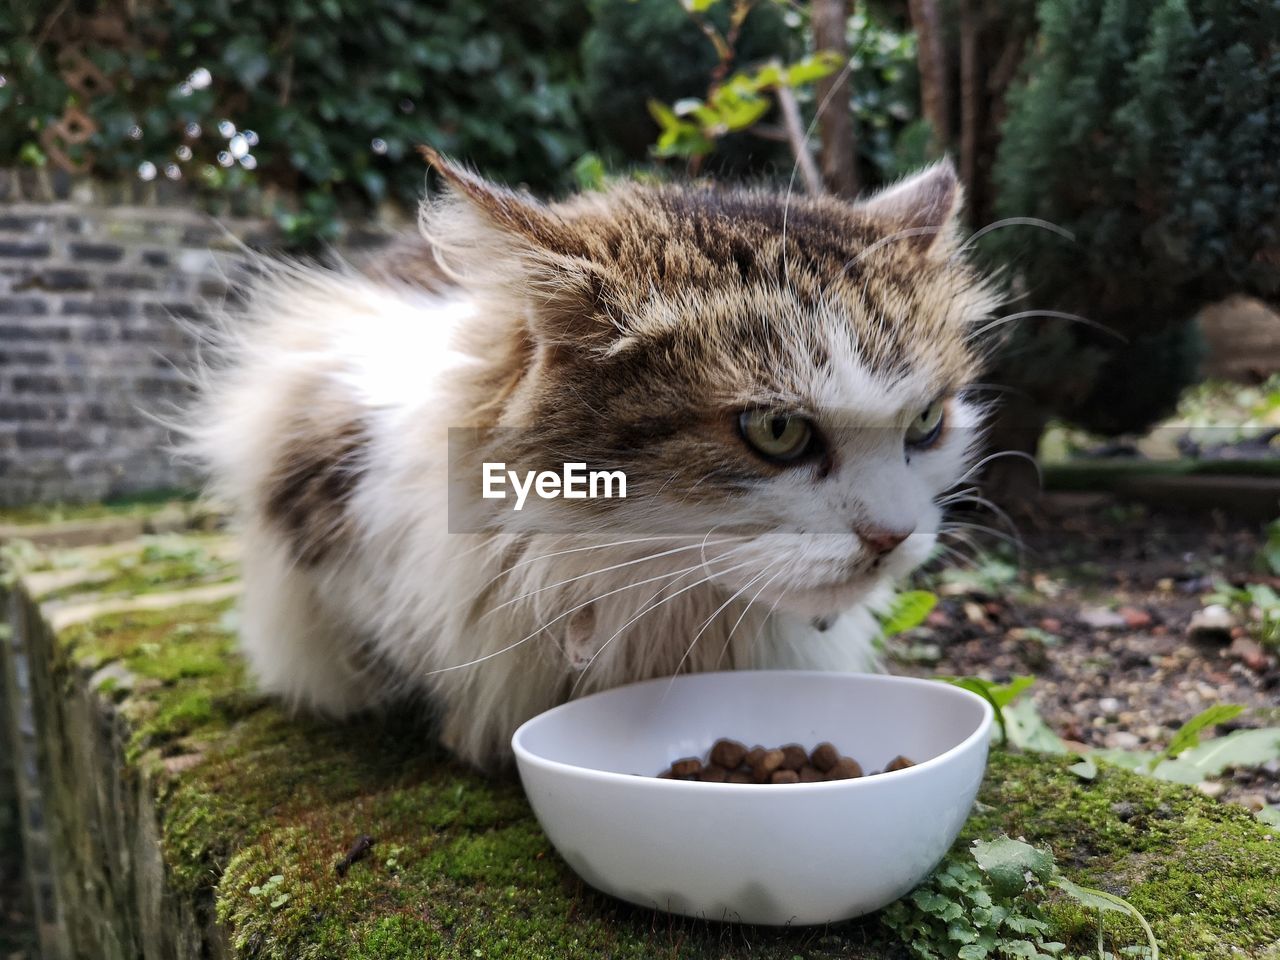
column 922, row 209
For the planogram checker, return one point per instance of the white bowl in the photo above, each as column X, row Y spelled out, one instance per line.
column 794, row 854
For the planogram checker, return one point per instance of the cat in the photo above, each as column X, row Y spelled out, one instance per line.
column 783, row 380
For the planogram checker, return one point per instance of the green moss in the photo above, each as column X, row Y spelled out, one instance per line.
column 169, row 562
column 144, row 505
column 461, row 869
column 1201, row 872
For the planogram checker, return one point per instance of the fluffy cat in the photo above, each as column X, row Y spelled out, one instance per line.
column 782, row 379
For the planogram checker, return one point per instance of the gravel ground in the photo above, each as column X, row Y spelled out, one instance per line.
column 1098, row 609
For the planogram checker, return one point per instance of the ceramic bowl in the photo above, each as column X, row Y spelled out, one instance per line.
column 769, row 854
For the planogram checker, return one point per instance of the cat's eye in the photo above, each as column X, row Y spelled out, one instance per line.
column 925, row 429
column 780, row 437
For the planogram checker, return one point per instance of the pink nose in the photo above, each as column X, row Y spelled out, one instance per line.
column 880, row 540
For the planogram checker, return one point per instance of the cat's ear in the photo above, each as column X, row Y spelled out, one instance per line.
column 518, row 214
column 922, row 208
column 512, row 241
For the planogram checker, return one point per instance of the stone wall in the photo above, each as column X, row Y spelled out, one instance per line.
column 183, row 816
column 104, row 289
column 95, row 286
column 16, row 922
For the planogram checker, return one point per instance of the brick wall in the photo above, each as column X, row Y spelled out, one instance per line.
column 96, row 282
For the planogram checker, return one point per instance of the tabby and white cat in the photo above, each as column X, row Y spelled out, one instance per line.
column 782, row 379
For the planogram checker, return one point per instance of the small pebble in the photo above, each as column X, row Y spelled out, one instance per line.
column 1123, row 740
column 784, row 776
column 1211, row 625
column 899, row 763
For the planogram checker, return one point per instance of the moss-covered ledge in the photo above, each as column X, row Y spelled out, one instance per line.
column 174, row 796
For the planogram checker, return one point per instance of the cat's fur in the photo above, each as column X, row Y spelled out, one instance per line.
column 625, row 328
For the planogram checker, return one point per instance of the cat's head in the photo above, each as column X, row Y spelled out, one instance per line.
column 784, row 375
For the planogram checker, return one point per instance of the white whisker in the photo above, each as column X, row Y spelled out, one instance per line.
column 1051, row 314
column 1014, row 222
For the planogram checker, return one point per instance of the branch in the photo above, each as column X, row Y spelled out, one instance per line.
column 795, row 134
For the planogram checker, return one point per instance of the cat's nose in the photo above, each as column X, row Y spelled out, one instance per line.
column 881, row 540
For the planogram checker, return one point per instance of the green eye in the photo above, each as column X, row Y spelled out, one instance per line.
column 776, row 436
column 925, row 429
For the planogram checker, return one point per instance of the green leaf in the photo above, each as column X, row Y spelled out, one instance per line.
column 1088, row 897
column 1019, row 948
column 1188, row 734
column 1240, row 748
column 1007, row 862
column 280, row 901
column 246, row 56
column 1027, row 729
column 1085, row 768
column 1102, row 901
column 665, row 116
column 589, row 171
column 910, row 609
column 1270, row 815
column 1134, row 760
column 813, row 68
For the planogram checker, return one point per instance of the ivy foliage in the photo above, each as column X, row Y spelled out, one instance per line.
column 335, row 92
column 989, row 905
column 1152, row 133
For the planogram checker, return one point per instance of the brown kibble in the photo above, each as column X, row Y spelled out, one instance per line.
column 899, row 763
column 688, row 767
column 786, row 764
column 824, row 757
column 768, row 762
column 846, row 768
column 728, row 754
column 794, row 757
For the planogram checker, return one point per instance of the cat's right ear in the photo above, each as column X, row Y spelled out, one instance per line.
column 513, row 241
column 518, row 214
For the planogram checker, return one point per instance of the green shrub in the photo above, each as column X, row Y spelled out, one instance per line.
column 641, row 50
column 336, row 91
column 1151, row 132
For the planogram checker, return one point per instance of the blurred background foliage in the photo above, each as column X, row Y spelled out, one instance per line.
column 1150, row 131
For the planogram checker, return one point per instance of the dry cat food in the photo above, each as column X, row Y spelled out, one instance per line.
column 729, row 761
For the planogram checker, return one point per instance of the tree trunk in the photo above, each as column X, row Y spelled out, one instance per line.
column 971, row 112
column 838, row 157
column 932, row 57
